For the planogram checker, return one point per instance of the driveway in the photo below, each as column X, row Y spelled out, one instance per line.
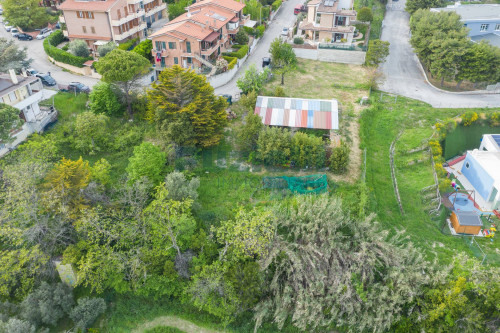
column 403, row 74
column 42, row 64
column 284, row 18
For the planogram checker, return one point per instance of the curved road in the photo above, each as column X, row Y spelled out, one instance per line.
column 403, row 74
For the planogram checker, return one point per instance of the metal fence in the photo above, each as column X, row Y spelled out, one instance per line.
column 341, row 47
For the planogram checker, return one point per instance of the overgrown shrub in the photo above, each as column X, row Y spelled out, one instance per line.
column 274, row 146
column 436, row 148
column 144, row 49
column 248, row 134
column 148, row 161
column 339, row 160
column 129, row 44
column 276, row 4
column 103, row 99
column 241, row 37
column 469, row 117
column 279, row 92
column 365, row 15
column 87, row 311
column 231, row 61
column 15, row 325
column 259, row 31
column 106, row 48
column 179, row 188
column 307, row 151
column 79, row 48
column 50, row 46
column 298, row 40
column 241, row 53
column 249, row 30
column 495, row 119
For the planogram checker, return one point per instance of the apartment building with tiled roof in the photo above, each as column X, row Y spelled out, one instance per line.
column 100, row 21
column 197, row 38
column 329, row 21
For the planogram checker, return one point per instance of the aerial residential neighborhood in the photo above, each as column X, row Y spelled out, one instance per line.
column 249, row 166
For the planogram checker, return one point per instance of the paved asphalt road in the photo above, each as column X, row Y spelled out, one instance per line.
column 284, row 18
column 403, row 75
column 42, row 64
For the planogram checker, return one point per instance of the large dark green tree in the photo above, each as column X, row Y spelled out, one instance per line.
column 378, row 51
column 413, row 5
column 185, row 108
column 123, row 69
column 479, row 64
column 26, row 14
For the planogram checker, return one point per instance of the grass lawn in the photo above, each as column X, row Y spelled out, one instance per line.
column 414, row 120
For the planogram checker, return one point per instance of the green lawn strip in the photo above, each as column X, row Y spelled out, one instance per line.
column 378, row 129
column 164, row 329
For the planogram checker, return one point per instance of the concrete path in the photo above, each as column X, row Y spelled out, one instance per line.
column 284, row 18
column 404, row 75
column 183, row 325
column 42, row 64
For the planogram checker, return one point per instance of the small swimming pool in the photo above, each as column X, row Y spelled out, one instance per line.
column 463, row 203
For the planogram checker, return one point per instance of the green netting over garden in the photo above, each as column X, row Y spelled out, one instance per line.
column 312, row 184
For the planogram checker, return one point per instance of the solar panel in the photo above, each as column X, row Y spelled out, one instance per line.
column 219, row 17
column 497, row 139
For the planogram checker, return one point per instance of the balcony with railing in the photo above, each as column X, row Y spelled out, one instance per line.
column 126, row 34
column 156, row 9
column 131, row 16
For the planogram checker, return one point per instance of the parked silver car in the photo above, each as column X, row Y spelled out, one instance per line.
column 44, row 33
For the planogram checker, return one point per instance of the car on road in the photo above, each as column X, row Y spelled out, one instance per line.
column 15, row 32
column 1, row 11
column 8, row 27
column 46, row 79
column 266, row 61
column 31, row 72
column 44, row 33
column 23, row 36
column 299, row 9
column 285, row 31
column 78, row 87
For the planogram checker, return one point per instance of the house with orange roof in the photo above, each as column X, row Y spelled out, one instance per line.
column 329, row 21
column 98, row 22
column 197, row 38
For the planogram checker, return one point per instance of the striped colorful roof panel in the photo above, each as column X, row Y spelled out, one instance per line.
column 298, row 112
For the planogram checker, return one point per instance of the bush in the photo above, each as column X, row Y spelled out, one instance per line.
column 298, row 40
column 144, row 49
column 241, row 53
column 231, row 61
column 241, row 37
column 87, row 311
column 105, row 49
column 17, row 326
column 436, row 148
column 339, row 160
column 279, row 92
column 276, row 5
column 49, row 45
column 79, row 48
column 148, row 161
column 47, row 304
column 65, row 47
column 248, row 134
column 495, row 119
column 90, row 132
column 273, row 146
column 365, row 15
column 307, row 151
column 469, row 117
column 103, row 99
column 179, row 188
column 259, row 31
column 128, row 44
column 249, row 30
column 252, row 79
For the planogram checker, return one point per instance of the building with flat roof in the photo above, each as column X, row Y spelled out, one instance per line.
column 481, row 167
column 482, row 20
column 98, row 22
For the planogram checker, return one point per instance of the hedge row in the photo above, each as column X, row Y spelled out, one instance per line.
column 231, row 61
column 50, row 47
column 275, row 5
column 128, row 45
column 241, row 53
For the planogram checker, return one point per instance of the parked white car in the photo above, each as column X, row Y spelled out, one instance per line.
column 44, row 34
column 284, row 32
column 8, row 27
column 14, row 32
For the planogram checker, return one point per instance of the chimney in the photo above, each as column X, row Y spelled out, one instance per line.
column 24, row 72
column 13, row 76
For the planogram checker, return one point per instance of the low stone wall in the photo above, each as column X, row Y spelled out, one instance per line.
column 332, row 55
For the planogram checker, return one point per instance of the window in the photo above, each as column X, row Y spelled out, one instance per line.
column 84, row 28
column 92, row 29
column 125, row 10
column 164, row 45
column 188, row 47
column 119, row 14
column 171, row 45
column 497, row 27
column 89, row 15
column 12, row 96
column 158, row 45
column 163, row 61
column 467, row 165
column 79, row 14
column 484, row 27
column 190, row 60
column 176, row 60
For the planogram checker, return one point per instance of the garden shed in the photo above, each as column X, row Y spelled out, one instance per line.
column 466, row 222
column 298, row 112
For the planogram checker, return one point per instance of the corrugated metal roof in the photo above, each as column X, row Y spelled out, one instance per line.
column 469, row 218
column 298, row 112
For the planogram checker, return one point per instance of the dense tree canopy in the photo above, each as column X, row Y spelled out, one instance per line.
column 186, row 110
column 11, row 56
column 378, row 50
column 283, row 57
column 26, row 14
column 413, row 5
column 9, row 120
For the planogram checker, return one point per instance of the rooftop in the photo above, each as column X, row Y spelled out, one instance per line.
column 493, row 38
column 473, row 12
column 489, row 161
column 7, row 86
column 90, row 5
column 232, row 5
column 469, row 218
column 298, row 112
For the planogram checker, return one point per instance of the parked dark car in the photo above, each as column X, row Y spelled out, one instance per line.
column 47, row 79
column 78, row 87
column 24, row 37
column 266, row 61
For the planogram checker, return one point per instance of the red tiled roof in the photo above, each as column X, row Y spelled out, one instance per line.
column 181, row 29
column 95, row 6
column 89, row 37
column 229, row 4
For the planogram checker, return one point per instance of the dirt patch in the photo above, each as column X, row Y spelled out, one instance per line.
column 176, row 322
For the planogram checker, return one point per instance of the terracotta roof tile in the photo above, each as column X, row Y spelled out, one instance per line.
column 95, row 6
column 229, row 4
